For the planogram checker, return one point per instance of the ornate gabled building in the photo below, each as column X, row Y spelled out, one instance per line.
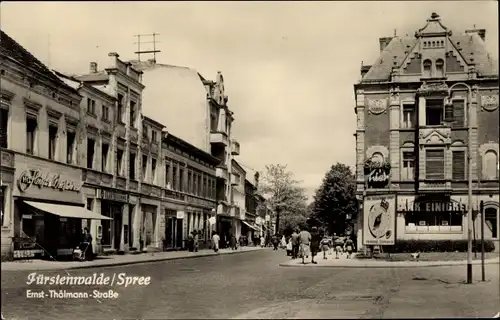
column 415, row 106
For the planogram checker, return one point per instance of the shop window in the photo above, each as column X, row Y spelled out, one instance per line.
column 70, row 146
column 153, row 170
column 458, row 115
column 434, row 112
column 119, row 110
column 427, row 69
column 439, row 68
column 106, row 224
column 491, row 222
column 52, row 141
column 90, row 153
column 434, row 164
column 2, row 204
column 144, row 167
column 104, row 157
column 409, row 116
column 132, row 166
column 133, row 106
column 31, row 129
column 490, row 171
column 4, row 120
column 423, row 219
column 181, row 182
column 458, row 165
column 408, row 170
column 130, row 224
column 119, row 162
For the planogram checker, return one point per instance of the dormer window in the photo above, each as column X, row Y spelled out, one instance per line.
column 427, row 69
column 439, row 68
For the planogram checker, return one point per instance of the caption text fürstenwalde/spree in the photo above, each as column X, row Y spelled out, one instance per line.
column 96, row 279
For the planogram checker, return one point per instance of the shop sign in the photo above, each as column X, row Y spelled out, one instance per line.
column 114, row 196
column 380, row 221
column 435, row 206
column 377, row 173
column 40, row 179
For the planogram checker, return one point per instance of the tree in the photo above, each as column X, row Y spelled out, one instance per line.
column 335, row 198
column 283, row 194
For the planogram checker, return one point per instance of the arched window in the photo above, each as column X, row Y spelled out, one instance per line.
column 439, row 68
column 378, row 157
column 491, row 165
column 491, row 223
column 427, row 69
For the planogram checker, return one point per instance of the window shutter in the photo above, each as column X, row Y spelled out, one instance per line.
column 458, row 113
column 448, row 112
column 458, row 163
column 434, row 164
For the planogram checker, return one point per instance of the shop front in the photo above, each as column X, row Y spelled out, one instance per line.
column 6, row 187
column 48, row 208
column 116, row 232
column 150, row 237
column 225, row 229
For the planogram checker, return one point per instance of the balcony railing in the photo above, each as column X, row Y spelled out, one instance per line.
column 219, row 138
column 223, row 209
column 221, row 172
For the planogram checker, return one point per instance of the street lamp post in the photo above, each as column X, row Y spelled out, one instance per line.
column 469, row 167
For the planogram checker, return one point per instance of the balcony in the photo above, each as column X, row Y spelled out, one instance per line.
column 223, row 209
column 221, row 173
column 235, row 180
column 235, row 211
column 435, row 135
column 235, row 148
column 218, row 137
column 133, row 185
column 434, row 185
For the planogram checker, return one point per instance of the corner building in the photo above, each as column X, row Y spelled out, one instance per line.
column 413, row 117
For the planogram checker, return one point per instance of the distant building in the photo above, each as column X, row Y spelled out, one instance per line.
column 411, row 144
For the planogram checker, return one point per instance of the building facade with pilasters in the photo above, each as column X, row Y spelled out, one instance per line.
column 414, row 108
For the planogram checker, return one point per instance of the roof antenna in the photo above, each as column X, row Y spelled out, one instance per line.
column 139, row 42
column 394, row 32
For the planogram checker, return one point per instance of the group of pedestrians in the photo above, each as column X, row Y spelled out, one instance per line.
column 305, row 243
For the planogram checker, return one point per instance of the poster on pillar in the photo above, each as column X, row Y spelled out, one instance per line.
column 379, row 213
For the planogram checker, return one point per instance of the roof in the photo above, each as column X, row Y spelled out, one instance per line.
column 235, row 163
column 98, row 76
column 154, row 122
column 472, row 48
column 73, row 82
column 171, row 139
column 14, row 51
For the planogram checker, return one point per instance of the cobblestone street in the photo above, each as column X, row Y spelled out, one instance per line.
column 252, row 285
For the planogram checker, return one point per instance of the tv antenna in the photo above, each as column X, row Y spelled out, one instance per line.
column 139, row 43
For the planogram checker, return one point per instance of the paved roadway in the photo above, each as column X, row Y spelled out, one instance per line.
column 252, row 285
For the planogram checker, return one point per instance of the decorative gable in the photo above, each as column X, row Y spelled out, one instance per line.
column 454, row 63
column 437, row 136
column 413, row 64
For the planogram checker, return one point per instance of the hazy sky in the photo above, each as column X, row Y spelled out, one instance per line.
column 289, row 67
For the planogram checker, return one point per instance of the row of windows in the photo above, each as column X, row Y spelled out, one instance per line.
column 189, row 180
column 433, row 69
column 434, row 44
column 435, row 165
column 436, row 114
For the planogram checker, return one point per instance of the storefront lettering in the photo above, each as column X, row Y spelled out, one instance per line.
column 437, row 207
column 114, row 196
column 40, row 179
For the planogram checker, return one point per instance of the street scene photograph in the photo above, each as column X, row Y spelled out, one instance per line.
column 249, row 160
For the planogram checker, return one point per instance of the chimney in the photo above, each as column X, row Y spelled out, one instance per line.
column 364, row 70
column 93, row 67
column 384, row 42
column 480, row 32
column 152, row 61
column 256, row 177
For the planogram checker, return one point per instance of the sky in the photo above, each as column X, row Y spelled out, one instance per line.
column 289, row 67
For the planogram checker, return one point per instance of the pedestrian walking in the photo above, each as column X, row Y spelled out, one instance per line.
column 349, row 247
column 276, row 241
column 196, row 240
column 325, row 246
column 87, row 242
column 215, row 241
column 304, row 242
column 338, row 247
column 233, row 242
column 295, row 243
column 262, row 241
column 315, row 242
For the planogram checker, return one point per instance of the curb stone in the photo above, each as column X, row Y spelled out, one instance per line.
column 123, row 263
column 425, row 264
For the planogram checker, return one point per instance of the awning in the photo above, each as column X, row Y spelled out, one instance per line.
column 249, row 225
column 67, row 211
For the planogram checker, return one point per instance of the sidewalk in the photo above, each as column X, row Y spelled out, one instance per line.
column 115, row 260
column 343, row 262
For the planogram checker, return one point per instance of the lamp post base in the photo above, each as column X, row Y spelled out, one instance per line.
column 469, row 273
